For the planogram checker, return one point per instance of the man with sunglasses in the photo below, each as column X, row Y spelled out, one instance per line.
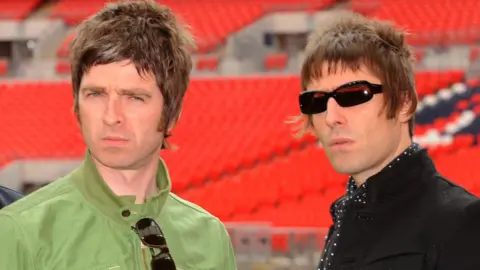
column 359, row 99
column 130, row 72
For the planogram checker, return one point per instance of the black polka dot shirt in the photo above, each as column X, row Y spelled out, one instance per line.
column 340, row 206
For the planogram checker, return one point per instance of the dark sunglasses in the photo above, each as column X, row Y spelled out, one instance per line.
column 346, row 95
column 152, row 237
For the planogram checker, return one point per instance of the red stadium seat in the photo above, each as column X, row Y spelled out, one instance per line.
column 276, row 61
column 18, row 9
column 209, row 63
column 235, row 114
column 63, row 67
column 222, row 118
column 3, row 67
column 433, row 21
column 212, row 23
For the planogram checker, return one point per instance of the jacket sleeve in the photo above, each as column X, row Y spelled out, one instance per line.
column 228, row 261
column 15, row 254
column 461, row 250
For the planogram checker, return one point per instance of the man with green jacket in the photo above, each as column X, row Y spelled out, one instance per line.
column 130, row 71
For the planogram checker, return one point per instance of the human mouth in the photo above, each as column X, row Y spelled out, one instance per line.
column 340, row 143
column 114, row 140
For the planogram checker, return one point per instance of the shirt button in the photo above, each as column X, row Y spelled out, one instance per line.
column 126, row 213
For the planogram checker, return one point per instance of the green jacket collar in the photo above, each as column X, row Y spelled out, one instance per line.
column 120, row 208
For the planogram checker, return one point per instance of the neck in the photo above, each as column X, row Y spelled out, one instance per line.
column 362, row 177
column 140, row 182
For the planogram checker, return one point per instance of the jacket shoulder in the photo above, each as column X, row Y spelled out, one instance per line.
column 460, row 248
column 41, row 198
column 450, row 206
column 454, row 197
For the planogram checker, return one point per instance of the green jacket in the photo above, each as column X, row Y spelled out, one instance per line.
column 76, row 223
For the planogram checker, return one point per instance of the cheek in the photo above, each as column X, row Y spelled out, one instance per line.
column 319, row 126
column 88, row 115
column 145, row 126
column 372, row 127
column 367, row 117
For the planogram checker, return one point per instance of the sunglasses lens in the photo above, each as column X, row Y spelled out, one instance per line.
column 163, row 263
column 353, row 95
column 144, row 224
column 150, row 233
column 155, row 241
column 313, row 102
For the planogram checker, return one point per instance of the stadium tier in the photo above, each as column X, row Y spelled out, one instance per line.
column 429, row 21
column 213, row 23
column 18, row 9
column 223, row 117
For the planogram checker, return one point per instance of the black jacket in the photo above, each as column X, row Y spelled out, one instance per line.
column 413, row 219
column 8, row 196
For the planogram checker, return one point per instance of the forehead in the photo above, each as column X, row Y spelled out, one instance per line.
column 118, row 75
column 331, row 79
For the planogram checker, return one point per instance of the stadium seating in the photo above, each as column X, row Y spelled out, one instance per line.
column 212, row 24
column 222, row 117
column 207, row 62
column 257, row 108
column 429, row 21
column 275, row 61
column 18, row 9
column 434, row 21
column 441, row 22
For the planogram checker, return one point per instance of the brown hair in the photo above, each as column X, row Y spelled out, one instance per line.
column 347, row 40
column 149, row 35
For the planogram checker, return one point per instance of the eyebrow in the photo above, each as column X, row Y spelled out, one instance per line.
column 135, row 92
column 123, row 91
column 92, row 88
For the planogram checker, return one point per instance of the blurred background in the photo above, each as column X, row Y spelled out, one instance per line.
column 237, row 158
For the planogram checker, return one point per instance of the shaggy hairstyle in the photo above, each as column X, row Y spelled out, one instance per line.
column 145, row 33
column 348, row 41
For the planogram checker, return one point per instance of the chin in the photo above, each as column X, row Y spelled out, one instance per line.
column 343, row 165
column 117, row 164
column 119, row 161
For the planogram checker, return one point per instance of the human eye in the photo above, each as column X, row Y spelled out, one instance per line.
column 136, row 98
column 94, row 94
